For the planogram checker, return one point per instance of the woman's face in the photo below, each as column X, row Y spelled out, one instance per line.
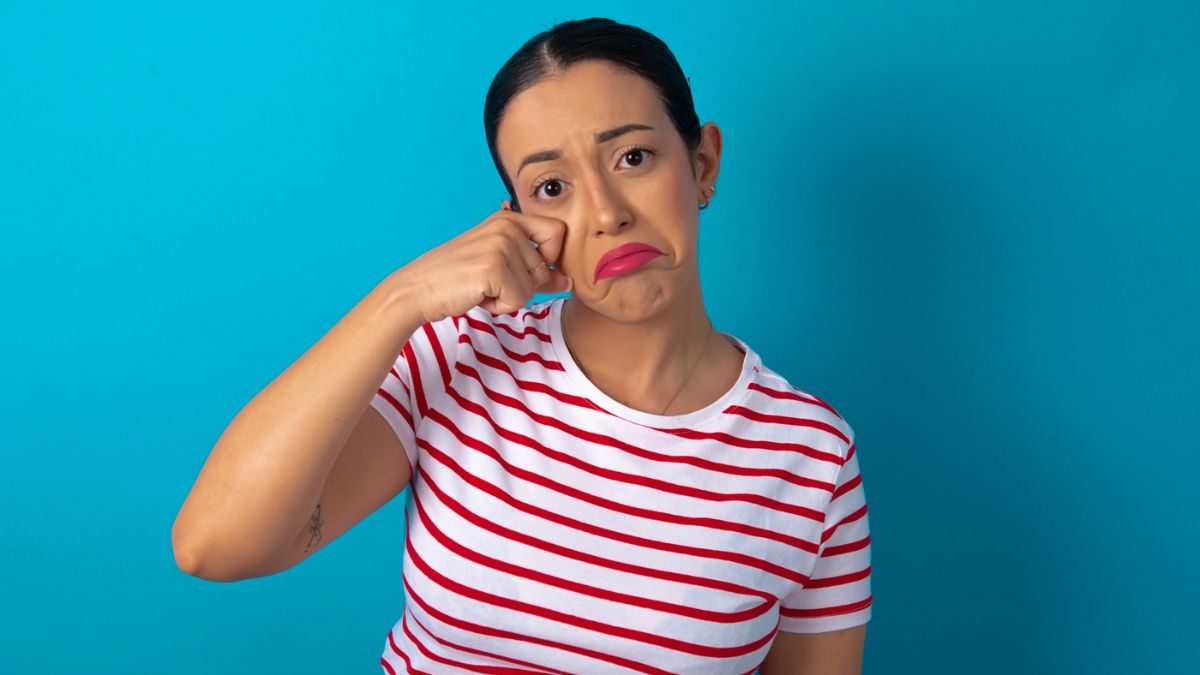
column 630, row 187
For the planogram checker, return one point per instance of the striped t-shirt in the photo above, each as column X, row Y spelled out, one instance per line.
column 551, row 528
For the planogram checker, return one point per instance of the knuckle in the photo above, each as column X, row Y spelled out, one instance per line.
column 497, row 240
column 495, row 262
column 504, row 223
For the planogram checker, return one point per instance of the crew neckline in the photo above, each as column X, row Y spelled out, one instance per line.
column 710, row 412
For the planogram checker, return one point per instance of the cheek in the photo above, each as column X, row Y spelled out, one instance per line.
column 679, row 196
column 675, row 191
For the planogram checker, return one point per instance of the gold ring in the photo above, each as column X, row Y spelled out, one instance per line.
column 537, row 268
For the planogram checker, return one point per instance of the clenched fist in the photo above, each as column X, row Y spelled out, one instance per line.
column 498, row 264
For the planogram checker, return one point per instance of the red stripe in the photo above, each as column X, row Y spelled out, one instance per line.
column 414, row 372
column 846, row 487
column 840, row 580
column 786, row 420
column 403, row 410
column 488, row 327
column 527, row 385
column 626, row 477
column 851, row 547
column 513, row 535
column 862, row 511
column 787, row 395
column 395, row 649
column 425, row 650
column 531, row 355
column 480, row 652
column 585, row 589
column 407, row 664
column 497, row 632
column 581, row 402
column 603, row 439
column 825, row 611
column 414, row 366
column 485, row 411
column 578, row 621
column 436, row 344
column 776, row 446
column 582, row 526
column 826, row 405
column 541, row 313
column 387, row 666
column 613, row 505
column 792, row 394
column 401, row 380
column 429, row 654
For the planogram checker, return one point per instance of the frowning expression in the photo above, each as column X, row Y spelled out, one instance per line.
column 593, row 146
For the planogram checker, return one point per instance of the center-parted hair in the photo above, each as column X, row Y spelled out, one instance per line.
column 555, row 50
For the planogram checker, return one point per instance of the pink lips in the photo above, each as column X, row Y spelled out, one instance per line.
column 625, row 258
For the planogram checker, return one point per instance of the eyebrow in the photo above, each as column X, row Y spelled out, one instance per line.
column 602, row 136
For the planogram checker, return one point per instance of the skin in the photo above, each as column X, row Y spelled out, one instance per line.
column 637, row 336
column 837, row 652
column 640, row 335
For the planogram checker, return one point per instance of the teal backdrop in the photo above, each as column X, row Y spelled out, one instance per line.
column 971, row 227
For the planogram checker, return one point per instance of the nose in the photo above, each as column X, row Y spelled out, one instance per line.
column 605, row 208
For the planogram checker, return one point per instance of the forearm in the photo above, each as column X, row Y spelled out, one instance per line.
column 258, row 486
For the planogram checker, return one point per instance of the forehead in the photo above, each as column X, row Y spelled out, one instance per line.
column 570, row 107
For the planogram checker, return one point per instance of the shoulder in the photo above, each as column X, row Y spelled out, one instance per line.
column 804, row 408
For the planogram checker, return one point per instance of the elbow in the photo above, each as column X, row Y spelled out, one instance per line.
column 195, row 559
column 188, row 562
column 212, row 555
column 187, row 556
column 193, row 562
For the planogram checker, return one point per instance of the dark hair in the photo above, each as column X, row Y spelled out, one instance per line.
column 569, row 42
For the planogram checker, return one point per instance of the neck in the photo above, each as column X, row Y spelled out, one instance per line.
column 642, row 362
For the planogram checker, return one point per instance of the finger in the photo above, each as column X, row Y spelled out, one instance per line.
column 541, row 279
column 547, row 233
column 537, row 270
column 535, row 266
column 535, row 263
column 520, row 283
column 504, row 291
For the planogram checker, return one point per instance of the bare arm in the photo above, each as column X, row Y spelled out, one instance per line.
column 258, row 494
column 837, row 652
column 371, row 469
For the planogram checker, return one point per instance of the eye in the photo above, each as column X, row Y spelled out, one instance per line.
column 538, row 186
column 639, row 151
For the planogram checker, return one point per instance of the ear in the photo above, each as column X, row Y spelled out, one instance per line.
column 504, row 205
column 708, row 154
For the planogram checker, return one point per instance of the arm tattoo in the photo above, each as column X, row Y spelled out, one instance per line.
column 314, row 529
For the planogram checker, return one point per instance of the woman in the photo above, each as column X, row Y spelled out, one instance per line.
column 601, row 482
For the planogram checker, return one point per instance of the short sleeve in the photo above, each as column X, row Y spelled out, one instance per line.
column 838, row 592
column 420, row 375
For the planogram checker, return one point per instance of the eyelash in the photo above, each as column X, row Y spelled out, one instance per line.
column 643, row 148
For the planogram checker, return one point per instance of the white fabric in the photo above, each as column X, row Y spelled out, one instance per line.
column 552, row 528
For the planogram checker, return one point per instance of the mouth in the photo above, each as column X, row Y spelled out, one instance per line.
column 625, row 258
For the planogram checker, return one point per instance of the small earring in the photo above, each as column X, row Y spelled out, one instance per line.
column 708, row 196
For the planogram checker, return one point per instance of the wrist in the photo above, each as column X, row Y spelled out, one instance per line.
column 396, row 297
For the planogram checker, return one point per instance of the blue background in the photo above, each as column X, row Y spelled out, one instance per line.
column 971, row 227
